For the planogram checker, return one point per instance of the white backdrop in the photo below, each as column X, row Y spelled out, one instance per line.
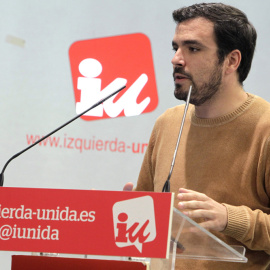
column 37, row 93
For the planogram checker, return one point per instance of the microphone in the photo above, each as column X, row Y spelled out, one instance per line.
column 166, row 187
column 32, row 145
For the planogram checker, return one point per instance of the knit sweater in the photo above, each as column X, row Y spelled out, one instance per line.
column 228, row 159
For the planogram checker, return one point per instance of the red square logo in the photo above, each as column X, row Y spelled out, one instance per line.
column 101, row 66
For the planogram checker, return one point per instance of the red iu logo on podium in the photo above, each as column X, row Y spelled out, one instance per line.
column 101, row 66
column 131, row 226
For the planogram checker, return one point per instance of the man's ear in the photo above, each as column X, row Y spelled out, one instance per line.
column 232, row 61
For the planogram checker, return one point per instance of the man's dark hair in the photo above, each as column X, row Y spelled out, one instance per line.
column 232, row 31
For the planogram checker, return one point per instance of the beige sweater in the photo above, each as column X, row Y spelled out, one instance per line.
column 228, row 159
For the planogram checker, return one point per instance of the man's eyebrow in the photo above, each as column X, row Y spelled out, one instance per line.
column 174, row 44
column 189, row 42
column 193, row 42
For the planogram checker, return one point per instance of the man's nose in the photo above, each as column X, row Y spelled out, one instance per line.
column 178, row 58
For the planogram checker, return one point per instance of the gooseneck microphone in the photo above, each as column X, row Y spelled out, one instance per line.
column 43, row 138
column 166, row 187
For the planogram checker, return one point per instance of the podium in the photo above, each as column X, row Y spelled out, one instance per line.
column 129, row 225
column 191, row 241
column 21, row 262
column 188, row 241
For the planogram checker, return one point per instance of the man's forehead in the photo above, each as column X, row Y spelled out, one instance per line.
column 198, row 21
column 195, row 28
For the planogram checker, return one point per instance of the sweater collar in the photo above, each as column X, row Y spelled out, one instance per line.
column 208, row 122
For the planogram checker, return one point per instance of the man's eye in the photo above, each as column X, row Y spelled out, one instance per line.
column 174, row 49
column 193, row 49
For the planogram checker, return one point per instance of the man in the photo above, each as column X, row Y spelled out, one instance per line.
column 222, row 169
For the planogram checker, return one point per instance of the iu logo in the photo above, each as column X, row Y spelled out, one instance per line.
column 101, row 66
column 131, row 226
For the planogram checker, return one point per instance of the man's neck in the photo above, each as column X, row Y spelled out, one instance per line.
column 223, row 102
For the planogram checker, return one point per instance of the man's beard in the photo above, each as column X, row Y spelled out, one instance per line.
column 199, row 94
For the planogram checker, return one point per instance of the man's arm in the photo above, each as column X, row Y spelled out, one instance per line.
column 250, row 227
column 197, row 205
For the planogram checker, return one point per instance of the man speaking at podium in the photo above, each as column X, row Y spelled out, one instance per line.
column 222, row 169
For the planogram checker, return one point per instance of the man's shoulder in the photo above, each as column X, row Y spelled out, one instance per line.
column 172, row 113
column 170, row 119
column 261, row 100
column 260, row 105
column 258, row 116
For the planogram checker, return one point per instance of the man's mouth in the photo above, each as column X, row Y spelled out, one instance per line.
column 179, row 77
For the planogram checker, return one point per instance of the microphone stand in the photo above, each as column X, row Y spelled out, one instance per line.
column 32, row 145
column 166, row 187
